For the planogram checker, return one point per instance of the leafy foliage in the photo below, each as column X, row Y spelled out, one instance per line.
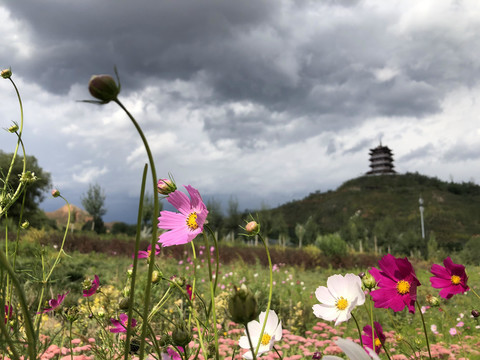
column 35, row 190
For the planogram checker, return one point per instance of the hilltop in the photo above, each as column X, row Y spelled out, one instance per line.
column 78, row 216
column 387, row 207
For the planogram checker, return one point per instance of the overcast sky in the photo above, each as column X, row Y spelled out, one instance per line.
column 265, row 101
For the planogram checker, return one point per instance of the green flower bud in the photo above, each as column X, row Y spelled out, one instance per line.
column 156, row 277
column 181, row 337
column 27, row 177
column 243, row 306
column 6, row 73
column 25, row 224
column 12, row 129
column 103, row 88
column 368, row 281
column 124, row 303
column 101, row 313
column 72, row 314
column 55, row 193
column 432, row 300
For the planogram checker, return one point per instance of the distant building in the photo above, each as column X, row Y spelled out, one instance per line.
column 381, row 161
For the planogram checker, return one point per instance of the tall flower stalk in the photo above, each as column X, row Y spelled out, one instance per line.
column 105, row 89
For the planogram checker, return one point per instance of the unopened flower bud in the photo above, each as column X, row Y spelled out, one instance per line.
column 252, row 227
column 6, row 73
column 129, row 273
column 55, row 193
column 475, row 313
column 432, row 300
column 180, row 281
column 25, row 225
column 124, row 303
column 418, row 342
column 156, row 277
column 181, row 337
column 104, row 88
column 166, row 186
column 27, row 177
column 126, row 291
column 368, row 281
column 399, row 338
column 13, row 128
column 243, row 306
column 101, row 313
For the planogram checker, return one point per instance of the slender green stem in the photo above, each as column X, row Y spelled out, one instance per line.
column 358, row 329
column 159, row 305
column 473, row 291
column 29, row 330
column 279, row 355
column 154, row 230
column 270, row 293
column 70, row 340
column 135, row 263
column 424, row 329
column 254, row 353
column 212, row 295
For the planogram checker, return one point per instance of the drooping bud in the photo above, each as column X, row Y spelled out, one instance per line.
column 181, row 337
column 252, row 227
column 12, row 129
column 6, row 73
column 166, row 186
column 103, row 88
column 475, row 313
column 243, row 306
column 368, row 281
column 55, row 193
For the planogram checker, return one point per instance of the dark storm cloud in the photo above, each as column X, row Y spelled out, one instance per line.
column 319, row 71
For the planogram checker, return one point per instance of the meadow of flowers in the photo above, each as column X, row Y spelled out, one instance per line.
column 195, row 307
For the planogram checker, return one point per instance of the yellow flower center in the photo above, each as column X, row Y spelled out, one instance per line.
column 192, row 221
column 341, row 304
column 455, row 279
column 266, row 339
column 403, row 287
column 378, row 342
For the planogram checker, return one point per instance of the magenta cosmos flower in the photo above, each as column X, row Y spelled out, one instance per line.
column 146, row 254
column 452, row 278
column 379, row 337
column 120, row 325
column 185, row 225
column 397, row 284
column 54, row 303
column 91, row 288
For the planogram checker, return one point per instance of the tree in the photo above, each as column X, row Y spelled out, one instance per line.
column 34, row 194
column 300, row 232
column 94, row 202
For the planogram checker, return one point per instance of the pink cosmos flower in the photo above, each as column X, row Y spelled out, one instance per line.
column 188, row 223
column 95, row 283
column 397, row 284
column 54, row 303
column 189, row 291
column 146, row 254
column 453, row 331
column 452, row 278
column 120, row 326
column 172, row 354
column 379, row 337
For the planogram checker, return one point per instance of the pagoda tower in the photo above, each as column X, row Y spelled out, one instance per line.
column 381, row 161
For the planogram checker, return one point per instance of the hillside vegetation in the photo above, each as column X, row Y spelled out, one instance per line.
column 387, row 208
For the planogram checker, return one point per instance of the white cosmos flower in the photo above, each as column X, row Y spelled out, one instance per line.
column 272, row 333
column 353, row 351
column 337, row 300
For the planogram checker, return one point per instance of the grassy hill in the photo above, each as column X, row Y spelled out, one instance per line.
column 387, row 207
